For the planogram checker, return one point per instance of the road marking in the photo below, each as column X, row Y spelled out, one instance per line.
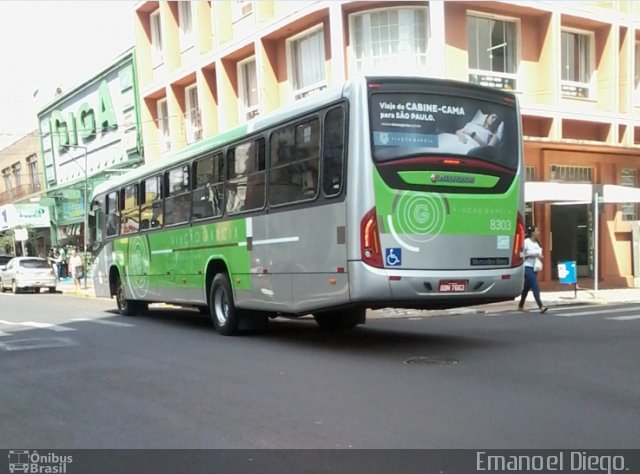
column 52, row 327
column 106, row 322
column 601, row 311
column 624, row 318
column 35, row 343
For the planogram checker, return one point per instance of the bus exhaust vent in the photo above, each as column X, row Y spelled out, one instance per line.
column 430, row 361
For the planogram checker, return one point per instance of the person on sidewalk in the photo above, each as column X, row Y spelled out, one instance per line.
column 75, row 265
column 532, row 265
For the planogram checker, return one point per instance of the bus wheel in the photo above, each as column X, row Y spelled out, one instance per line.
column 223, row 310
column 128, row 307
column 340, row 319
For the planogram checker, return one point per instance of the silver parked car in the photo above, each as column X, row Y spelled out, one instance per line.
column 23, row 273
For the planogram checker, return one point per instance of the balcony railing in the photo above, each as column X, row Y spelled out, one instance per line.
column 10, row 195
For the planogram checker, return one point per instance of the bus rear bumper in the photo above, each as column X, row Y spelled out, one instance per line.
column 377, row 287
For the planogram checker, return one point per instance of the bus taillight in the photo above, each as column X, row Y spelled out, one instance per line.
column 517, row 254
column 370, row 240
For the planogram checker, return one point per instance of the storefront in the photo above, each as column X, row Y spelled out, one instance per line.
column 26, row 229
column 88, row 135
column 563, row 183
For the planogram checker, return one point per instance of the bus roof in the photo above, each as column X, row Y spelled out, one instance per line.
column 209, row 144
column 267, row 120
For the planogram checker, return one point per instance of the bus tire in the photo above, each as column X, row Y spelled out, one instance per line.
column 224, row 314
column 128, row 307
column 340, row 319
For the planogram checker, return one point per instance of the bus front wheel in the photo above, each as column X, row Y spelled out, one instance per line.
column 128, row 307
column 340, row 319
column 224, row 313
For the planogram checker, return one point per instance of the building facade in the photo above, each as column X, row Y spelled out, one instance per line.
column 87, row 135
column 205, row 67
column 21, row 204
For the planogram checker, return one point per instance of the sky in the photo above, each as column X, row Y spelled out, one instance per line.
column 49, row 44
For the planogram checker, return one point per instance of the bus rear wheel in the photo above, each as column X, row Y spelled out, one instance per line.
column 340, row 319
column 128, row 307
column 224, row 314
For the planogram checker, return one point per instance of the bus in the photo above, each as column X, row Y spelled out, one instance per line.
column 385, row 192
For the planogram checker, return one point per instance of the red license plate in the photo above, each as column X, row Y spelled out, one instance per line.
column 452, row 286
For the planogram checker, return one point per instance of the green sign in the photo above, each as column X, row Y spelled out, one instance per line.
column 86, row 122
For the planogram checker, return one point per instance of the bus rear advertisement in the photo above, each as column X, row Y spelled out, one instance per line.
column 386, row 192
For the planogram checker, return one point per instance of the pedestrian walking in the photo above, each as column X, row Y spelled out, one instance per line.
column 75, row 265
column 532, row 265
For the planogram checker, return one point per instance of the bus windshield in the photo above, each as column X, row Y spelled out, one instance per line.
column 407, row 124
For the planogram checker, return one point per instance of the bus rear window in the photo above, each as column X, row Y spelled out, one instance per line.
column 406, row 125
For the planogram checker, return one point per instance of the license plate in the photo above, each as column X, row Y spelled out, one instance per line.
column 452, row 286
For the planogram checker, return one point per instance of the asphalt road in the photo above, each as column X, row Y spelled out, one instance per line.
column 73, row 374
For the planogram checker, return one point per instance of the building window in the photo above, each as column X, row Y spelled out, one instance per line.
column 193, row 124
column 240, row 9
column 572, row 174
column 17, row 179
column 393, row 38
column 164, row 138
column 492, row 46
column 34, row 179
column 577, row 65
column 6, row 176
column 306, row 62
column 529, row 173
column 186, row 25
column 156, row 39
column 628, row 177
column 248, row 87
column 636, row 82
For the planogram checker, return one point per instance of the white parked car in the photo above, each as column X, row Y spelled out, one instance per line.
column 27, row 273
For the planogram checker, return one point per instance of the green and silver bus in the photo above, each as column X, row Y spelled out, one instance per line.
column 387, row 192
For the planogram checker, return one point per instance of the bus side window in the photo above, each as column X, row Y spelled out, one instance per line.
column 113, row 215
column 295, row 159
column 245, row 187
column 177, row 203
column 151, row 205
column 208, row 187
column 130, row 221
column 333, row 152
column 96, row 222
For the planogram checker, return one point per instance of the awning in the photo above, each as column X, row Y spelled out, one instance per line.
column 620, row 194
column 578, row 193
column 543, row 191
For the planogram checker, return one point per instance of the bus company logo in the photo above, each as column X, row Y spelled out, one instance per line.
column 23, row 460
column 448, row 178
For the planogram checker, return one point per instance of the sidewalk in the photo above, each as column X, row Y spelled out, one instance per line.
column 67, row 287
column 549, row 298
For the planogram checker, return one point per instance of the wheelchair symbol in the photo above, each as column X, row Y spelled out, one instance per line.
column 393, row 257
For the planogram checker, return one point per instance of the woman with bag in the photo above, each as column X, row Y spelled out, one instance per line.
column 532, row 265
